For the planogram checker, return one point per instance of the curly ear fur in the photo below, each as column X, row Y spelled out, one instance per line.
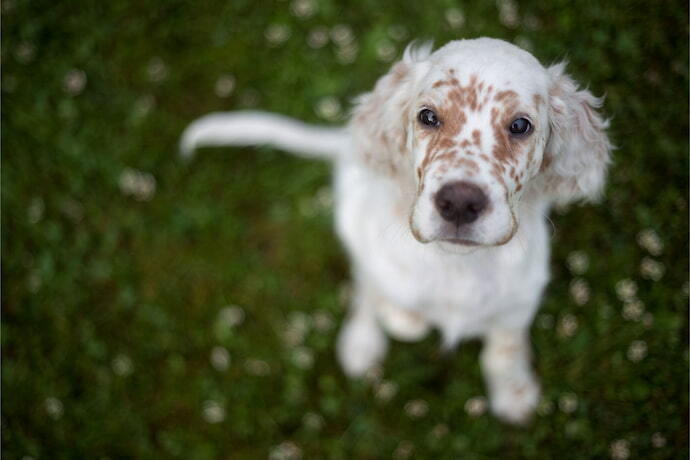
column 381, row 118
column 578, row 150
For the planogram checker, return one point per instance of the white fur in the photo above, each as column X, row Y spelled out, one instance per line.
column 407, row 278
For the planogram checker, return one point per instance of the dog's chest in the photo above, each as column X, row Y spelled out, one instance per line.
column 442, row 286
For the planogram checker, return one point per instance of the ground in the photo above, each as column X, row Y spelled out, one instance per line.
column 155, row 308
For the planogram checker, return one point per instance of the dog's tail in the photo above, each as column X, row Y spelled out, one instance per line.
column 261, row 128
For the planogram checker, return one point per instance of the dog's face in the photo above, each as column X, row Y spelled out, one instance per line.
column 483, row 123
column 477, row 136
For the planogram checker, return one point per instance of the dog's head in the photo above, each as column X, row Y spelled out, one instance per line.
column 473, row 128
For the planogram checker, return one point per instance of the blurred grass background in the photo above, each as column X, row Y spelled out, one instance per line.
column 153, row 309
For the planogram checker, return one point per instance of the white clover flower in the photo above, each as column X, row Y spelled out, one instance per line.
column 633, row 311
column 455, row 18
column 508, row 13
column 637, row 351
column 476, row 406
column 567, row 326
column 297, row 328
column 257, row 367
column 374, row 374
column 328, row 108
column 658, row 440
column 404, row 450
column 386, row 390
column 313, row 421
column 286, row 450
column 567, row 403
column 348, row 53
column 122, row 365
column 532, row 22
column 232, row 315
column 440, row 431
column 220, row 358
column 72, row 209
column 524, row 42
column 224, row 86
column 277, row 34
column 142, row 107
column 649, row 240
column 212, row 412
column 651, row 269
column 323, row 321
column 579, row 291
column 318, row 37
column 397, row 32
column 385, row 51
column 626, row 289
column 137, row 184
column 35, row 210
column 25, row 52
column 249, row 97
column 54, row 407
column 303, row 358
column 157, row 70
column 7, row 5
column 620, row 449
column 578, row 262
column 342, row 35
column 416, row 408
column 74, row 82
column 303, row 8
column 34, row 281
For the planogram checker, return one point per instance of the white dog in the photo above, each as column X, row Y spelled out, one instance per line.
column 443, row 180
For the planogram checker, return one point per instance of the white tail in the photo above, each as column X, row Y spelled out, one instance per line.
column 261, row 128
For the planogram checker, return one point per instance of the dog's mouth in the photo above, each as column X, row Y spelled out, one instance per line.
column 459, row 241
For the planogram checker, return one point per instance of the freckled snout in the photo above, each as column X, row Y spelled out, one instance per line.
column 460, row 202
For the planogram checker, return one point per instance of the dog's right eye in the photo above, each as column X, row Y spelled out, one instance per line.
column 428, row 117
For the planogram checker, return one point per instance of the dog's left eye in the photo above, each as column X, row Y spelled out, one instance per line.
column 428, row 117
column 520, row 126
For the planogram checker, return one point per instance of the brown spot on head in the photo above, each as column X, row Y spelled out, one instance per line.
column 504, row 148
column 545, row 162
column 537, row 100
column 476, row 137
column 507, row 94
column 497, row 173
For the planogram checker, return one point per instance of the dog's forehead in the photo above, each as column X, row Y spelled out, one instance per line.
column 492, row 62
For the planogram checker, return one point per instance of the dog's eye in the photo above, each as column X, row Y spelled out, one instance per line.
column 520, row 126
column 428, row 117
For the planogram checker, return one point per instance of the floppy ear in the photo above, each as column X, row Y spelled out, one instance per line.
column 381, row 118
column 577, row 152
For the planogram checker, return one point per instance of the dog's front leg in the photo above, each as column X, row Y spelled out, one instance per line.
column 361, row 343
column 513, row 388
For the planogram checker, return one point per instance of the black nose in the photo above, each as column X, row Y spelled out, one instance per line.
column 460, row 202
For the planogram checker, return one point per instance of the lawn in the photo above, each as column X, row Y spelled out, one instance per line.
column 153, row 308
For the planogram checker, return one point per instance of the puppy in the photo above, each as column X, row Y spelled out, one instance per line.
column 443, row 180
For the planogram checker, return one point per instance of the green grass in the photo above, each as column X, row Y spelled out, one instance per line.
column 111, row 305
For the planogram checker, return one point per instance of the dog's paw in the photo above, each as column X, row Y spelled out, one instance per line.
column 361, row 345
column 515, row 402
column 401, row 324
